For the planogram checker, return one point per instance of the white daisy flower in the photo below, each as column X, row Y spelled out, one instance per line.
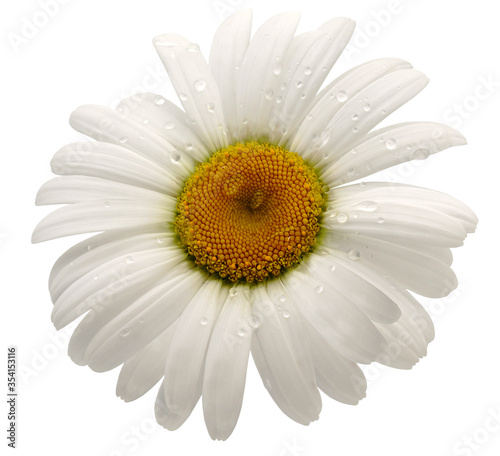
column 226, row 227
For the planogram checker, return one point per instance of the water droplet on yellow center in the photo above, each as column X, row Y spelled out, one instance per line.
column 250, row 212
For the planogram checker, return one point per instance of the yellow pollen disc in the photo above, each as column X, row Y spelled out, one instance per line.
column 250, row 212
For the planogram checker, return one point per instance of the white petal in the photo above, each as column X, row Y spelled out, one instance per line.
column 195, row 86
column 141, row 372
column 336, row 376
column 408, row 267
column 226, row 365
column 333, row 315
column 308, row 62
column 186, row 356
column 77, row 189
column 104, row 124
column 112, row 162
column 395, row 220
column 228, row 50
column 93, row 216
column 282, row 358
column 258, row 76
column 94, row 289
column 90, row 254
column 366, row 295
column 311, row 133
column 166, row 120
column 391, row 146
column 416, row 196
column 141, row 322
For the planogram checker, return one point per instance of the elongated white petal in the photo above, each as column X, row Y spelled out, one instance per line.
column 333, row 315
column 411, row 269
column 77, row 189
column 184, row 380
column 259, row 77
column 195, row 86
column 104, row 124
column 308, row 62
column 121, row 291
column 93, row 289
column 282, row 358
column 93, row 216
column 336, row 376
column 416, row 196
column 114, row 163
column 226, row 59
column 141, row 372
column 166, row 120
column 312, row 133
column 141, row 322
column 391, row 146
column 90, row 254
column 226, row 366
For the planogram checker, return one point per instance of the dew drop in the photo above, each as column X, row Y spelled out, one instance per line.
column 106, row 204
column 159, row 100
column 254, row 321
column 331, row 268
column 354, row 129
column 169, row 125
column 269, row 94
column 342, row 218
column 380, row 220
column 341, row 96
column 200, row 85
column 318, row 289
column 279, row 99
column 277, row 68
column 175, row 156
column 89, row 248
column 183, row 96
column 367, row 206
column 189, row 146
column 355, row 116
column 286, row 314
column 233, row 292
column 390, row 143
column 129, row 259
column 283, row 86
column 193, row 48
column 203, row 321
column 367, row 107
column 354, row 255
column 420, row 154
column 309, row 117
column 125, row 332
column 242, row 332
column 210, row 107
column 362, row 184
column 161, row 240
column 298, row 84
column 282, row 298
column 96, row 277
column 123, row 139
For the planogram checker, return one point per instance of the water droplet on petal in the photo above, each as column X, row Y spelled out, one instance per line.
column 203, row 321
column 332, row 268
column 380, row 220
column 354, row 255
column 175, row 156
column 269, row 94
column 200, row 85
column 106, row 204
column 367, row 107
column 298, row 84
column 233, row 292
column 254, row 321
column 341, row 96
column 161, row 240
column 96, row 277
column 183, row 96
column 123, row 139
column 307, row 71
column 309, row 117
column 210, row 107
column 125, row 332
column 420, row 154
column 367, row 206
column 159, row 100
column 129, row 259
column 391, row 143
column 342, row 218
column 282, row 298
column 318, row 289
column 242, row 332
column 355, row 116
column 169, row 126
column 286, row 314
column 193, row 48
column 277, row 68
column 354, row 129
column 279, row 99
column 189, row 146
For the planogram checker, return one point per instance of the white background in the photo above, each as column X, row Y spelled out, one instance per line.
column 98, row 52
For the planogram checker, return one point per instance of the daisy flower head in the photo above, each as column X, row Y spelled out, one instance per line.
column 232, row 226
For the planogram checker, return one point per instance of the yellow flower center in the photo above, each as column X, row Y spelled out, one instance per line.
column 250, row 212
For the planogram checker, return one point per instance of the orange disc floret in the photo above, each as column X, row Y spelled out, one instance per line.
column 250, row 212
